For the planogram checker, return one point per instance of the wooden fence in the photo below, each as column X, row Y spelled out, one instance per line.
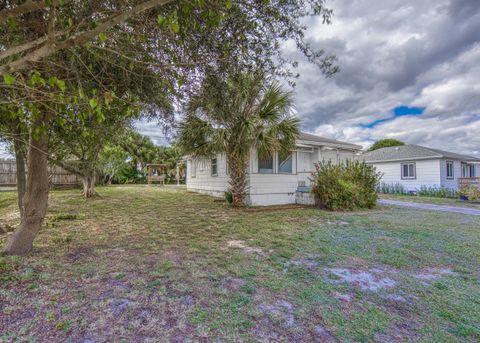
column 59, row 177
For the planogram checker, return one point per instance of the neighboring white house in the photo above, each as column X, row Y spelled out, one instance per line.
column 414, row 166
column 273, row 180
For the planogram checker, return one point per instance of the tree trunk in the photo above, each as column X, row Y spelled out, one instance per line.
column 19, row 148
column 35, row 200
column 238, row 179
column 88, row 185
column 109, row 179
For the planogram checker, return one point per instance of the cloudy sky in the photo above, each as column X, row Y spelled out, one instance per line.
column 410, row 69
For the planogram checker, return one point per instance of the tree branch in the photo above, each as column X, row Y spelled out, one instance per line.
column 51, row 23
column 68, row 167
column 22, row 47
column 51, row 48
column 27, row 6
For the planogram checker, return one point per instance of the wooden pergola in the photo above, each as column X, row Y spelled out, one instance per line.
column 156, row 173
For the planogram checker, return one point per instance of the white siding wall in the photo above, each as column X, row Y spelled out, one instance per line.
column 427, row 174
column 457, row 173
column 304, row 162
column 275, row 188
column 264, row 189
column 203, row 181
column 335, row 155
column 327, row 155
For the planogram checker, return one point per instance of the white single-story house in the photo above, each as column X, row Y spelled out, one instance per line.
column 414, row 166
column 274, row 180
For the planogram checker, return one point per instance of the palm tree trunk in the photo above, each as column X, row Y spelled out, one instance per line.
column 238, row 179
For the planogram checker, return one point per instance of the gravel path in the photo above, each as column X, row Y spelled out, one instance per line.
column 430, row 207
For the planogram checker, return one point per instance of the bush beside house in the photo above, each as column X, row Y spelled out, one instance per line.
column 470, row 192
column 345, row 186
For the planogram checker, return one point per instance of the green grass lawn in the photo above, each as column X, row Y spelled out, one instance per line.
column 431, row 200
column 142, row 264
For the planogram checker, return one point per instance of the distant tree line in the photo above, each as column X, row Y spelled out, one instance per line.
column 385, row 143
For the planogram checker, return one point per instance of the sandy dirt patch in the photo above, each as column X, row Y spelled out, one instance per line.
column 366, row 280
column 241, row 245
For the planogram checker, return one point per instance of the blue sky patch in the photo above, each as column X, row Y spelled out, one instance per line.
column 407, row 111
column 398, row 111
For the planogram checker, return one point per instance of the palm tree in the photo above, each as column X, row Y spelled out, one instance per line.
column 236, row 114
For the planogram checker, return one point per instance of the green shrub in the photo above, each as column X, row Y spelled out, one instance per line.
column 439, row 192
column 391, row 188
column 229, row 197
column 128, row 174
column 472, row 192
column 426, row 191
column 346, row 186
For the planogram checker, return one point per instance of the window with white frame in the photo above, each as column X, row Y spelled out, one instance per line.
column 265, row 164
column 450, row 172
column 408, row 170
column 285, row 163
column 214, row 167
column 468, row 170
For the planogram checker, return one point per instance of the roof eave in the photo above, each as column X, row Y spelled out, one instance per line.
column 336, row 145
column 405, row 159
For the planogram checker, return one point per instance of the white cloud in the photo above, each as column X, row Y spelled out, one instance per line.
column 419, row 53
column 398, row 52
column 153, row 130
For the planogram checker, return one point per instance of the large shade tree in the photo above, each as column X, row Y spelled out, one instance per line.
column 171, row 41
column 234, row 115
column 77, row 147
column 15, row 135
column 385, row 143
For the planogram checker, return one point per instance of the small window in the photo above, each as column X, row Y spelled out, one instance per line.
column 285, row 163
column 214, row 168
column 468, row 170
column 471, row 170
column 450, row 170
column 265, row 164
column 408, row 171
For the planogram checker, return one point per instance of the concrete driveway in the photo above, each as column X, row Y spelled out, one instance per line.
column 430, row 207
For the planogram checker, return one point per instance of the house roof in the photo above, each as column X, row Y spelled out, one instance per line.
column 309, row 139
column 412, row 152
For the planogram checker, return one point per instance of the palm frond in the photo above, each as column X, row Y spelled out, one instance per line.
column 276, row 103
column 235, row 114
column 198, row 137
